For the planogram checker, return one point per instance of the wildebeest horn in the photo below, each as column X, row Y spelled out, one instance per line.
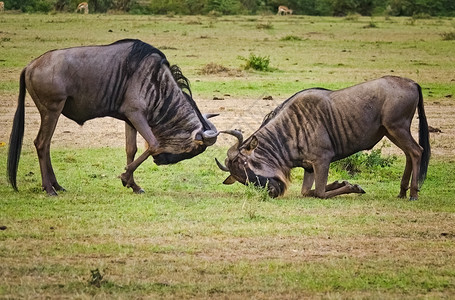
column 207, row 117
column 235, row 133
column 209, row 136
column 221, row 166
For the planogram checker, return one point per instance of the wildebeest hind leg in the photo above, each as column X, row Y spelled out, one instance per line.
column 404, row 140
column 42, row 144
column 131, row 149
column 404, row 186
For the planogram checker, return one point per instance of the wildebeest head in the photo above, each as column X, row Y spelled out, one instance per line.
column 178, row 125
column 246, row 164
column 186, row 144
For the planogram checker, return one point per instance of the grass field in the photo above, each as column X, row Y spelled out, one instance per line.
column 189, row 236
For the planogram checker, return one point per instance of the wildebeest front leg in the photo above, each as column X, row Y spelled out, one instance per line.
column 308, row 180
column 324, row 190
column 140, row 125
column 131, row 150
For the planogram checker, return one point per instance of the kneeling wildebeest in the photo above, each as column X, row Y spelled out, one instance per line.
column 128, row 80
column 317, row 126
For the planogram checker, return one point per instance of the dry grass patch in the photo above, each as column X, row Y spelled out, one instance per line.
column 220, row 70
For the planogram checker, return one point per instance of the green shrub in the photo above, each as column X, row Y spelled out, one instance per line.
column 258, row 63
column 371, row 25
column 290, row 38
column 350, row 8
column 225, row 7
column 352, row 17
column 362, row 161
column 254, row 195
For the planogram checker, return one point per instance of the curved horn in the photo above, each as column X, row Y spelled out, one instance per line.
column 235, row 133
column 221, row 166
column 207, row 117
column 209, row 136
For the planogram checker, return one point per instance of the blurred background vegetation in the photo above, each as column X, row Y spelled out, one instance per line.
column 416, row 8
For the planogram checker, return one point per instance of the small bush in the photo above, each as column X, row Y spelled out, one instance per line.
column 290, row 38
column 138, row 9
column 448, row 36
column 254, row 195
column 216, row 69
column 420, row 16
column 267, row 25
column 362, row 161
column 258, row 63
column 213, row 68
column 352, row 17
column 371, row 25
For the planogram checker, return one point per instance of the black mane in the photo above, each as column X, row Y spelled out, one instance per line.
column 140, row 51
column 181, row 80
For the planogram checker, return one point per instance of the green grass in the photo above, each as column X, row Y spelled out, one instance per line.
column 322, row 51
column 190, row 236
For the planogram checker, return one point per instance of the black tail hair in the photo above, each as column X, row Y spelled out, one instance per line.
column 17, row 134
column 424, row 139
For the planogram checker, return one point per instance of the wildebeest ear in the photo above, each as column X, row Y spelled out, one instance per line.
column 253, row 144
column 229, row 180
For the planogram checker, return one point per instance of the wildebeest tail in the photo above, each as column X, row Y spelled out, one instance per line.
column 17, row 134
column 424, row 139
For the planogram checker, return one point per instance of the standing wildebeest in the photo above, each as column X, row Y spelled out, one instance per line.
column 128, row 80
column 316, row 127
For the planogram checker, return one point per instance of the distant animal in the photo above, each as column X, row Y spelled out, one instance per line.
column 2, row 6
column 284, row 10
column 317, row 126
column 128, row 80
column 83, row 6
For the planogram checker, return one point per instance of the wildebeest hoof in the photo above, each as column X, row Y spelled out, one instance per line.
column 58, row 187
column 51, row 192
column 139, row 191
column 413, row 198
column 124, row 179
column 358, row 189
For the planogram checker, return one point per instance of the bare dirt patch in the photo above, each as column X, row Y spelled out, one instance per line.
column 244, row 114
